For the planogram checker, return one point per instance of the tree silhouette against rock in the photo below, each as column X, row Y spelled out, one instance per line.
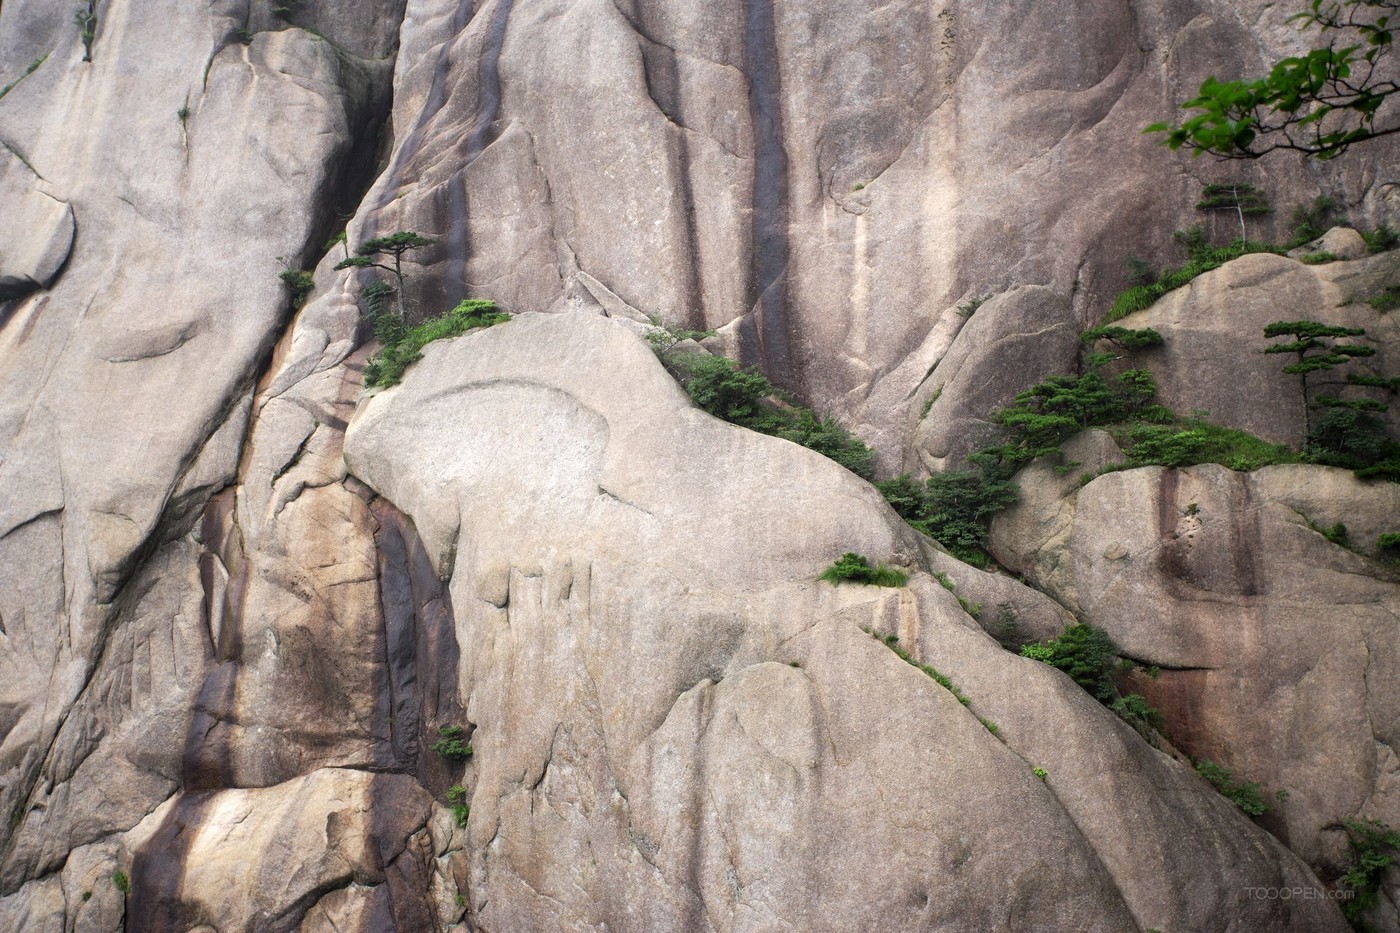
column 1316, row 347
column 394, row 245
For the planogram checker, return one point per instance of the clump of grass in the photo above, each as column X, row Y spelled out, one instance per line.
column 1194, row 440
column 1387, row 300
column 854, row 568
column 457, row 802
column 121, row 882
column 1317, row 259
column 1203, row 258
column 403, row 345
column 892, row 642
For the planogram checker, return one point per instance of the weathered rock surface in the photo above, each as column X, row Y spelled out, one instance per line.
column 202, row 615
column 670, row 735
column 1214, row 358
column 1277, row 646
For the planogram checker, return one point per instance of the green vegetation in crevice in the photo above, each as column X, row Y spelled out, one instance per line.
column 1387, row 299
column 955, row 507
column 299, row 282
column 969, row 308
column 1189, row 441
column 402, row 345
column 663, row 339
column 86, row 18
column 745, row 397
column 451, row 744
column 121, row 882
column 1201, row 258
column 1374, row 850
column 892, row 642
column 853, row 568
column 457, row 803
column 1247, row 795
column 1091, row 659
column 1147, row 285
column 33, row 67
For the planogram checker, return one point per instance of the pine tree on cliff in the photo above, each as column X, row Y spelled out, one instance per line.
column 395, row 245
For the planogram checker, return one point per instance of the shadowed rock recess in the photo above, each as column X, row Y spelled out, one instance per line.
column 241, row 598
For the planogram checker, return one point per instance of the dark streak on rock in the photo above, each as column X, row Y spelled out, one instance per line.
column 421, row 653
column 766, row 337
column 158, row 870
column 661, row 72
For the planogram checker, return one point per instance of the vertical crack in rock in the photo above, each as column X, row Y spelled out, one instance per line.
column 766, row 336
column 437, row 96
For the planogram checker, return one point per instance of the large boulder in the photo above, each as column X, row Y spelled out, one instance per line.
column 1214, row 357
column 1277, row 644
column 671, row 734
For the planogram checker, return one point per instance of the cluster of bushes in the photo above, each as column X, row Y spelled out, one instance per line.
column 1374, row 848
column 745, row 397
column 401, row 344
column 954, row 507
column 1193, row 440
column 1309, row 221
column 1091, row 659
column 1247, row 795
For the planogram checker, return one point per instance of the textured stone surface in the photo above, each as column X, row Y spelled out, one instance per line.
column 672, row 735
column 1277, row 647
column 202, row 615
column 1213, row 356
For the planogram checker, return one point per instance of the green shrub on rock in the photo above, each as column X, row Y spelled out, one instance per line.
column 403, row 345
column 854, row 568
column 745, row 397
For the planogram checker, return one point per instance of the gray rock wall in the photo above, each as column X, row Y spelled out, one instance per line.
column 224, row 653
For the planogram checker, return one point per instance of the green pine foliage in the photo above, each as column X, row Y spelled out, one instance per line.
column 403, row 345
column 1049, row 413
column 451, row 745
column 457, row 802
column 1128, row 339
column 1090, row 658
column 1246, row 795
column 1087, row 654
column 298, row 281
column 854, row 568
column 745, row 397
column 954, row 508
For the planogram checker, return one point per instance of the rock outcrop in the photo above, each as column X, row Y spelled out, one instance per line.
column 671, row 735
column 1276, row 645
column 225, row 654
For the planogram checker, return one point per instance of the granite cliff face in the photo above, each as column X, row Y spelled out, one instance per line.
column 239, row 598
